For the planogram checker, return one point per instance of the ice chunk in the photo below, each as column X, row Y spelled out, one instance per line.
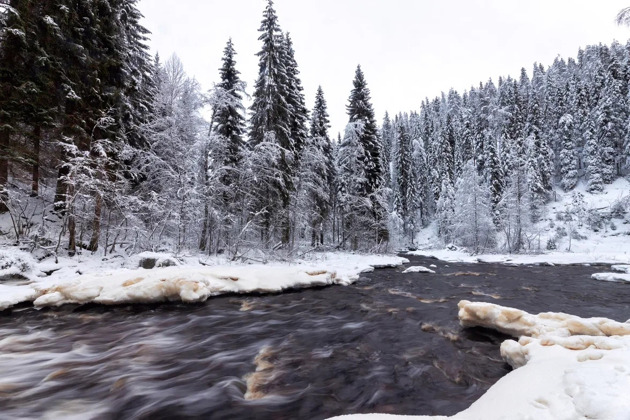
column 418, row 269
column 612, row 277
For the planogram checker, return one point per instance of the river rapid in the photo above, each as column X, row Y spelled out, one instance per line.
column 390, row 343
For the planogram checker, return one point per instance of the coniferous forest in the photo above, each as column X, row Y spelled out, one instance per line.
column 103, row 147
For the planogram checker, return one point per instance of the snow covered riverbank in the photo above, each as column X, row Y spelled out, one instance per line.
column 99, row 283
column 566, row 367
column 618, row 256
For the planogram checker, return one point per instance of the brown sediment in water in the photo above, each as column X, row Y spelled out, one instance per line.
column 418, row 298
column 258, row 381
column 431, row 328
column 492, row 295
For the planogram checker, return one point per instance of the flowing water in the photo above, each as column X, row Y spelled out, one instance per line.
column 390, row 343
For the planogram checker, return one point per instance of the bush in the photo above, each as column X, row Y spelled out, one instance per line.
column 551, row 244
column 15, row 263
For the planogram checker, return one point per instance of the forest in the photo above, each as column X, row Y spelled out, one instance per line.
column 104, row 147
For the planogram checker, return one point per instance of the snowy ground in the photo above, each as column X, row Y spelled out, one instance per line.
column 114, row 281
column 605, row 242
column 566, row 367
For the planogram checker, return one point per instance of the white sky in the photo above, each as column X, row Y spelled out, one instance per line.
column 408, row 49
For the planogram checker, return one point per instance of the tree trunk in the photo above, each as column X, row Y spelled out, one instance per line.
column 203, row 241
column 61, row 190
column 72, row 225
column 4, row 168
column 37, row 133
column 96, row 223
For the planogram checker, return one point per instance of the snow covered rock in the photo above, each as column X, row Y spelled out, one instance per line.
column 15, row 263
column 149, row 260
column 418, row 269
column 613, row 277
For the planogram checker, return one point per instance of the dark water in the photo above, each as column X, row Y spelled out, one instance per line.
column 390, row 343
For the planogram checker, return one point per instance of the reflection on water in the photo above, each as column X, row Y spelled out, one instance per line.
column 391, row 343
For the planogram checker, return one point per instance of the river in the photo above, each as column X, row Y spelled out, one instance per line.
column 390, row 343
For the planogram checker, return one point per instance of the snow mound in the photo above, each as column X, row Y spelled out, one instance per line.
column 151, row 260
column 621, row 268
column 418, row 269
column 15, row 263
column 566, row 367
column 613, row 277
column 518, row 323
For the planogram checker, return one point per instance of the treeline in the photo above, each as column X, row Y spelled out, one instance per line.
column 103, row 147
column 483, row 164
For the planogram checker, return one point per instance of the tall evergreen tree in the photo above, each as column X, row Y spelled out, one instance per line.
column 270, row 132
column 317, row 171
column 361, row 115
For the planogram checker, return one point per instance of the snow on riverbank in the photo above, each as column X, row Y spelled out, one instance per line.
column 566, row 367
column 555, row 258
column 577, row 227
column 188, row 283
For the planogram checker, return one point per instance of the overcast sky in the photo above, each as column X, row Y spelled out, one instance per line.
column 408, row 49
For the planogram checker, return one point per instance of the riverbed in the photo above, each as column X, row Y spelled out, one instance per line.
column 390, row 343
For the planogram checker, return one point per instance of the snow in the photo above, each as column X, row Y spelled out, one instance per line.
column 607, row 244
column 90, row 281
column 14, row 262
column 566, row 368
column 613, row 277
column 621, row 268
column 418, row 269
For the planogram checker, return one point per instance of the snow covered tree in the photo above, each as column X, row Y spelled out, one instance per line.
column 355, row 206
column 568, row 156
column 388, row 136
column 271, row 121
column 361, row 117
column 445, row 211
column 405, row 193
column 472, row 216
column 316, row 172
column 592, row 158
column 222, row 157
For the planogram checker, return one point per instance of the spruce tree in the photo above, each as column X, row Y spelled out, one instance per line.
column 404, row 194
column 568, row 156
column 270, row 132
column 361, row 116
column 316, row 174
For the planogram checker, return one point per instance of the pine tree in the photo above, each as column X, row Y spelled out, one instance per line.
column 270, row 132
column 568, row 156
column 316, row 175
column 225, row 149
column 592, row 157
column 361, row 115
column 355, row 207
column 405, row 194
column 295, row 99
column 388, row 136
column 445, row 211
